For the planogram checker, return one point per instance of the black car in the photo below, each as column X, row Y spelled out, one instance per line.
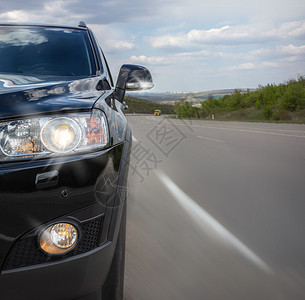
column 64, row 153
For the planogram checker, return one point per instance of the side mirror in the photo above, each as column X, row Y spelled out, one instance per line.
column 132, row 78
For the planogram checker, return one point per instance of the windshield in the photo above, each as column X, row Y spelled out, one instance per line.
column 45, row 51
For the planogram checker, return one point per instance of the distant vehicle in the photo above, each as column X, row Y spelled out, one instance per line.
column 64, row 152
column 157, row 112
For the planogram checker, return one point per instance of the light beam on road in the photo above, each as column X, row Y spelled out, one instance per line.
column 210, row 225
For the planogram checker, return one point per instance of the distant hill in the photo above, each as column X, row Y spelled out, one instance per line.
column 184, row 95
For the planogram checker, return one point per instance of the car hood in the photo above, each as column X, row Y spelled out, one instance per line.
column 28, row 95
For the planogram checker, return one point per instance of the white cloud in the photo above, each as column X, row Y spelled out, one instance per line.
column 177, row 59
column 15, row 16
column 206, row 35
column 201, row 53
column 230, row 35
column 293, row 29
column 243, row 66
column 102, row 12
column 292, row 50
column 57, row 11
column 111, row 39
column 279, row 52
column 142, row 59
column 292, row 59
column 118, row 45
column 269, row 64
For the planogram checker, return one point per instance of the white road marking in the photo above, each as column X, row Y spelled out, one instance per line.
column 203, row 137
column 134, row 139
column 302, row 134
column 209, row 224
column 152, row 118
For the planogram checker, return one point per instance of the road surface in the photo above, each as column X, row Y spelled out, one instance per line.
column 216, row 210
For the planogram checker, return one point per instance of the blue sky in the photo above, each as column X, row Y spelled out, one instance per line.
column 190, row 45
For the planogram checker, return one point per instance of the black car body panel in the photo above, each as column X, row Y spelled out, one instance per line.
column 87, row 189
column 47, row 97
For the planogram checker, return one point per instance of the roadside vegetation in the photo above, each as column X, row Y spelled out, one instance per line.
column 277, row 103
column 147, row 107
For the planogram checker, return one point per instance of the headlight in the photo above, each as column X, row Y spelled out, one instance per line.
column 53, row 135
column 61, row 135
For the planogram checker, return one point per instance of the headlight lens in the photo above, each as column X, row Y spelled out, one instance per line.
column 58, row 238
column 61, row 135
column 58, row 134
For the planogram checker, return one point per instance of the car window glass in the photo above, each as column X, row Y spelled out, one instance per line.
column 45, row 51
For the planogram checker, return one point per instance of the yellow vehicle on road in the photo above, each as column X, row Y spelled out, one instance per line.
column 157, row 112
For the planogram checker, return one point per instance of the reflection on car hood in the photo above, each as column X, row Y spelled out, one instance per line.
column 26, row 95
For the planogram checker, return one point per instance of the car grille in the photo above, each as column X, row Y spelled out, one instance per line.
column 27, row 253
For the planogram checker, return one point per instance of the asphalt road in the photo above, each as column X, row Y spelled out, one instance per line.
column 216, row 210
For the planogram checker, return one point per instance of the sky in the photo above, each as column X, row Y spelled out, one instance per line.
column 193, row 45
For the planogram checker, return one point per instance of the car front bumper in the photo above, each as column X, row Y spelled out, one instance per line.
column 90, row 190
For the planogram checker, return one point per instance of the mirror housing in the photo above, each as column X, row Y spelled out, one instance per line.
column 132, row 78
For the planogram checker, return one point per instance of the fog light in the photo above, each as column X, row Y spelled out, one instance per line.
column 58, row 238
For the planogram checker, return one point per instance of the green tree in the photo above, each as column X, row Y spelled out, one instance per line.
column 293, row 96
column 235, row 100
column 184, row 110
